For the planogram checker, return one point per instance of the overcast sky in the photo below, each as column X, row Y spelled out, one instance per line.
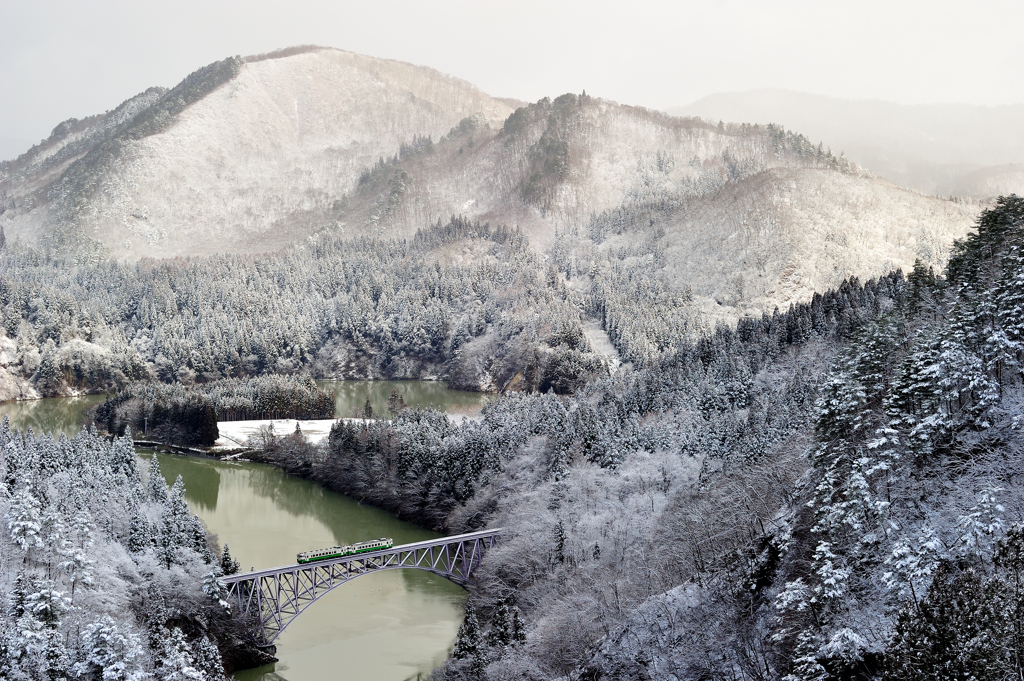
column 60, row 59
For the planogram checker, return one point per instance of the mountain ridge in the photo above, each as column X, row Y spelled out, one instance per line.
column 250, row 155
column 932, row 148
column 575, row 188
column 102, row 190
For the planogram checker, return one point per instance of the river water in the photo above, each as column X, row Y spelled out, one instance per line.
column 390, row 626
column 351, row 396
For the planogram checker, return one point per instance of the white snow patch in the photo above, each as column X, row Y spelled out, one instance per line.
column 234, row 434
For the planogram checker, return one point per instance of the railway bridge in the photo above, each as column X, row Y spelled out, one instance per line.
column 273, row 598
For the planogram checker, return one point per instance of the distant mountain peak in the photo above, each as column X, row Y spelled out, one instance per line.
column 931, row 148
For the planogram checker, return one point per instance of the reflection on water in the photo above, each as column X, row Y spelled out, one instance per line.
column 350, row 396
column 202, row 483
column 53, row 415
column 392, row 625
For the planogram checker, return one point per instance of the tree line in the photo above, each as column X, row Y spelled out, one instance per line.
column 363, row 308
column 188, row 415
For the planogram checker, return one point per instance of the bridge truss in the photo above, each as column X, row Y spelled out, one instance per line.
column 274, row 598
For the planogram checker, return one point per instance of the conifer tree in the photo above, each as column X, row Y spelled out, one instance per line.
column 560, row 542
column 518, row 625
column 208, row 432
column 207, row 658
column 24, row 521
column 213, row 588
column 228, row 565
column 176, row 522
column 507, row 626
column 16, row 597
column 396, row 402
column 177, row 661
column 156, row 489
column 140, row 533
column 500, row 634
column 199, row 544
column 467, row 642
column 46, row 604
column 108, row 652
column 956, row 633
column 124, row 460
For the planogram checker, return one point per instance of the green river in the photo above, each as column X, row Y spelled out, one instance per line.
column 390, row 626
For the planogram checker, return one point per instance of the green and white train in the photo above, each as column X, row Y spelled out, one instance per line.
column 342, row 551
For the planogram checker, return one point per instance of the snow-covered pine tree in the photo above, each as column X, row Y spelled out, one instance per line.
column 156, row 488
column 468, row 639
column 140, row 532
column 176, row 525
column 214, row 589
column 207, row 658
column 109, row 653
column 24, row 521
column 228, row 565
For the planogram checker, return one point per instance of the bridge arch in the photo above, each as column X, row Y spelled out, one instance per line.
column 274, row 598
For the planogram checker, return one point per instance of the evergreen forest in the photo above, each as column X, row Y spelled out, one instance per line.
column 188, row 415
column 826, row 492
column 829, row 493
column 106, row 572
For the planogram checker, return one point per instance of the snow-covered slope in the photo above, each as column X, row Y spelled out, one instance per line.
column 250, row 155
column 250, row 165
column 745, row 217
column 781, row 235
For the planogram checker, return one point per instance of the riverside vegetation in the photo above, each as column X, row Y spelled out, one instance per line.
column 368, row 308
column 106, row 576
column 188, row 415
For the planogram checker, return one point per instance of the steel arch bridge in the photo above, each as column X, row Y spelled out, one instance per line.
column 273, row 598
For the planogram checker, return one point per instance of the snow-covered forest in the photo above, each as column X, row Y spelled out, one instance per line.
column 788, row 497
column 189, row 414
column 760, row 418
column 366, row 308
column 831, row 493
column 105, row 573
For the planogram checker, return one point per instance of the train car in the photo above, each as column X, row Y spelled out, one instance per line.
column 321, row 554
column 348, row 550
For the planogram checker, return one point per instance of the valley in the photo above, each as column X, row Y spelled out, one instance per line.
column 742, row 408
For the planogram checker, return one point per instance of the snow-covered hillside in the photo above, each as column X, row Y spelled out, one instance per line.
column 254, row 163
column 747, row 217
column 783, row 234
column 250, row 155
column 932, row 148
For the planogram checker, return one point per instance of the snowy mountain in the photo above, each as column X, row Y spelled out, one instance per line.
column 244, row 155
column 250, row 155
column 748, row 217
column 944, row 149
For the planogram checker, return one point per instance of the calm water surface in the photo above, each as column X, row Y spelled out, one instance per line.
column 350, row 396
column 391, row 626
column 54, row 415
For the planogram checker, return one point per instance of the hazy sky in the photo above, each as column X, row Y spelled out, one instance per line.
column 60, row 59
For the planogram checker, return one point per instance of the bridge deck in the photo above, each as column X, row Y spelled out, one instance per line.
column 276, row 596
column 440, row 541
